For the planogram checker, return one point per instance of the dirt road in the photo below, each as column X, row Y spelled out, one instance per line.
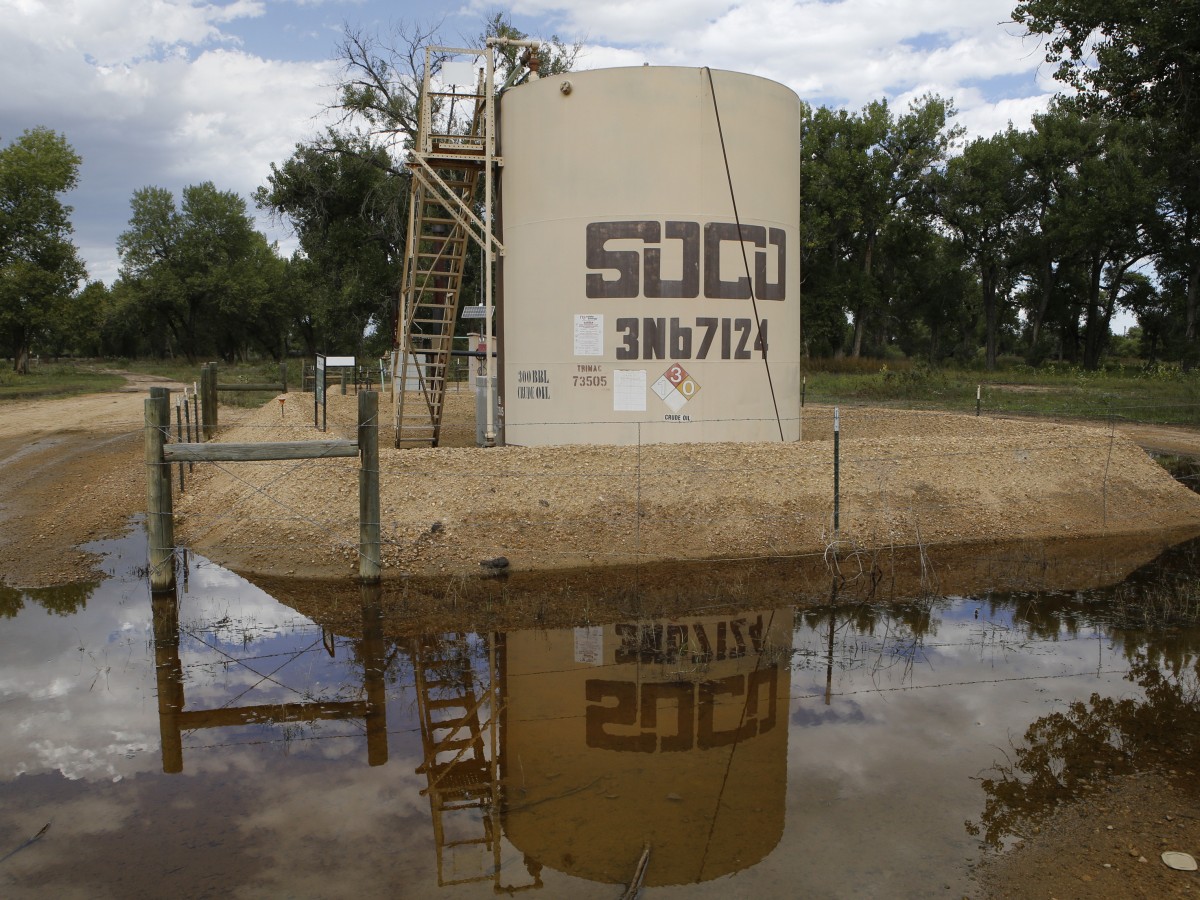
column 70, row 472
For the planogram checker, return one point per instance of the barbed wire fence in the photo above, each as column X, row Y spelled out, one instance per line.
column 782, row 503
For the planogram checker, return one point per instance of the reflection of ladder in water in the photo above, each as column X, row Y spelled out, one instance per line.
column 463, row 784
column 446, row 169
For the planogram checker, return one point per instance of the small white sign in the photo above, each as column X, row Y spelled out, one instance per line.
column 589, row 645
column 589, row 334
column 331, row 361
column 629, row 390
column 474, row 312
column 457, row 74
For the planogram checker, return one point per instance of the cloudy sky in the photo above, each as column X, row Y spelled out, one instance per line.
column 176, row 92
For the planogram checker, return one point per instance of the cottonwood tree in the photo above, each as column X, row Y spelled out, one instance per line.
column 40, row 268
column 1139, row 61
column 1093, row 205
column 199, row 272
column 348, row 211
column 866, row 178
column 981, row 197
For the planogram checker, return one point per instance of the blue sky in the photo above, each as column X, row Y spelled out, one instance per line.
column 176, row 92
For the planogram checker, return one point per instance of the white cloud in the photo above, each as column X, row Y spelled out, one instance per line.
column 844, row 53
column 111, row 33
column 165, row 92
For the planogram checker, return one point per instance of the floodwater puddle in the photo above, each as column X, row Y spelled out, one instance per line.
column 219, row 742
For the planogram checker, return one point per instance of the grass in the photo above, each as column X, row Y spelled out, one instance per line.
column 1132, row 392
column 1160, row 395
column 50, row 380
column 68, row 378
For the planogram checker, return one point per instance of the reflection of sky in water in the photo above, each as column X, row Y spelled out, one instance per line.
column 879, row 779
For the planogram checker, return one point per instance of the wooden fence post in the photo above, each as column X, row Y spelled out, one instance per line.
column 202, row 418
column 179, row 435
column 160, row 525
column 368, row 488
column 208, row 399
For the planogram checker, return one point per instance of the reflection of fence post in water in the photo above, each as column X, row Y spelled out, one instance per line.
column 829, row 658
column 173, row 719
column 168, row 672
column 374, row 664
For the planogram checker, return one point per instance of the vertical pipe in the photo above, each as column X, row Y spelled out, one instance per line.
column 489, row 140
column 160, row 530
column 283, row 376
column 978, row 398
column 836, row 470
column 368, row 487
column 803, row 389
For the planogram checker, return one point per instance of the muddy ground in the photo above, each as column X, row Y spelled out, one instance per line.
column 71, row 471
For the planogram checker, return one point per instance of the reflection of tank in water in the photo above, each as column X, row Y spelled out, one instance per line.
column 667, row 734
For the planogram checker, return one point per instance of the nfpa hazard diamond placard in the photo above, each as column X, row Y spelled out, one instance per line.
column 675, row 387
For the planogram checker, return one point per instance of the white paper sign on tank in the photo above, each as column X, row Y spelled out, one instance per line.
column 651, row 277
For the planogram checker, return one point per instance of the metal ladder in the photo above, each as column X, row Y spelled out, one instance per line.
column 446, row 164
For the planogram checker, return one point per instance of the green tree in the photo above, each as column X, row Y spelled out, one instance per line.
column 348, row 210
column 199, row 273
column 981, row 197
column 1139, row 61
column 39, row 265
column 1092, row 205
column 865, row 182
column 383, row 75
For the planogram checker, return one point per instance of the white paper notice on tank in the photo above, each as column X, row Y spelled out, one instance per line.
column 629, row 390
column 589, row 335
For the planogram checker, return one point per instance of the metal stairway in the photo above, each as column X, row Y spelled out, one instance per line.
column 447, row 161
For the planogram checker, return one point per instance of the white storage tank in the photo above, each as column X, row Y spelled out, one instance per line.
column 650, row 288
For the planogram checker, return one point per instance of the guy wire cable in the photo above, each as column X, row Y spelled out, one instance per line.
column 745, row 260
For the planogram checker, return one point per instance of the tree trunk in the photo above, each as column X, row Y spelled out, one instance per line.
column 991, row 314
column 1048, row 275
column 1092, row 339
column 860, row 315
column 1189, row 331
